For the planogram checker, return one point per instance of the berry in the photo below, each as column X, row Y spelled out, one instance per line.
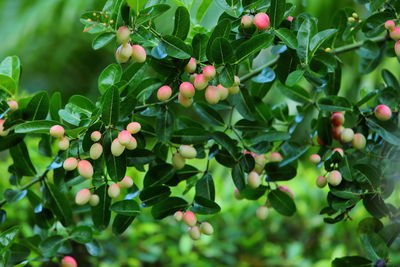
column 209, row 72
column 236, row 81
column 337, row 119
column 200, row 82
column 359, row 142
column 347, row 135
column 132, row 144
column 95, row 151
column 191, row 65
column 206, row 228
column 334, row 178
column 336, row 132
column 315, row 158
column 262, row 213
column 85, row 169
column 246, row 22
column 138, row 53
column 194, row 233
column 63, row 143
column 237, row 195
column 164, row 93
column 186, row 89
column 178, row 216
column 187, row 152
column 383, row 112
column 253, row 179
column 275, row 157
column 186, row 102
column 126, row 182
column 13, row 105
column 395, row 33
column 2, row 131
column 192, row 78
column 94, row 200
column 189, row 218
column 234, row 90
column 178, row 162
column 125, row 51
column 134, row 127
column 116, row 148
column 113, row 191
column 397, row 48
column 82, row 197
column 290, row 18
column 68, row 261
column 223, row 92
column 321, row 181
column 339, row 150
column 319, row 141
column 389, row 25
column 212, row 95
column 123, row 35
column 261, row 20
column 95, row 136
column 70, row 164
column 124, row 137
column 57, row 131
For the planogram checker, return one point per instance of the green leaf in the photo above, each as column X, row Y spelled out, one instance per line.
column 165, row 125
column 254, row 45
column 109, row 77
column 280, row 173
column 238, row 177
column 51, row 245
column 154, row 194
column 389, row 137
column 110, row 112
column 221, row 51
column 375, row 24
column 39, row 126
column 282, row 202
column 190, row 136
column 7, row 238
column 374, row 246
column 276, row 12
column 226, row 142
column 303, row 39
column 168, row 207
column 150, row 13
column 13, row 196
column 324, row 129
column 296, row 93
column 203, row 205
column 199, row 45
column 351, row 261
column 390, row 79
column 294, row 78
column 38, row 107
column 364, row 173
column 202, row 9
column 176, row 48
column 205, row 187
column 121, row 223
column 18, row 254
column 222, row 29
column 116, row 166
column 375, row 205
column 58, row 203
column 253, row 193
column 82, row 234
column 127, row 207
column 101, row 213
column 181, row 23
column 11, row 67
column 7, row 84
column 334, row 104
column 158, row 174
column 371, row 55
column 208, row 113
column 22, row 160
column 102, row 40
column 227, row 76
column 287, row 37
column 318, row 39
column 55, row 106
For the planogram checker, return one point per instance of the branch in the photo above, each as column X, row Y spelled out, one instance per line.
column 350, row 47
column 143, row 107
column 255, row 72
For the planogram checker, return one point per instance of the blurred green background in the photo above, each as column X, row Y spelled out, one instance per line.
column 57, row 56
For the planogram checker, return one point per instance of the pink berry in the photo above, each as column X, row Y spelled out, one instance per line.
column 395, row 33
column 57, row 131
column 126, row 182
column 13, row 105
column 134, row 127
column 186, row 102
column 223, row 92
column 275, row 157
column 315, row 158
column 82, row 197
column 191, row 66
column 335, row 178
column 383, row 112
column 209, row 72
column 123, row 35
column 113, row 191
column 337, row 119
column 85, row 169
column 95, row 136
column 124, row 137
column 212, row 95
column 339, row 150
column 68, row 261
column 254, row 179
column 200, row 82
column 186, row 89
column 2, row 131
column 164, row 93
column 124, row 52
column 70, row 164
column 138, row 53
column 189, row 218
column 321, row 181
column 290, row 18
column 132, row 144
column 261, row 20
column 397, row 48
column 389, row 25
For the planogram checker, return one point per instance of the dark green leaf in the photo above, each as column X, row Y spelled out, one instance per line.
column 127, row 207
column 199, row 45
column 101, row 213
column 168, row 207
column 176, row 48
column 82, row 234
column 282, row 202
column 203, row 205
column 277, row 12
column 254, row 45
column 278, row 173
column 205, row 187
column 121, row 223
column 58, row 203
column 181, row 23
column 287, row 37
column 238, row 177
column 165, row 125
column 22, row 160
column 221, row 51
column 109, row 77
column 110, row 105
column 102, row 40
column 38, row 107
column 154, row 194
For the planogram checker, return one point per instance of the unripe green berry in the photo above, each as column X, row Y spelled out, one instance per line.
column 192, row 78
column 212, row 95
column 95, row 151
column 134, row 127
column 236, row 81
column 254, row 179
column 262, row 213
column 189, row 218
column 138, row 54
column 246, row 22
column 116, row 148
column 113, row 191
column 94, row 200
column 124, row 137
column 209, row 72
column 186, row 89
column 95, row 136
column 178, row 216
column 359, row 142
column 63, row 143
column 347, row 135
column 234, row 90
column 188, row 152
column 321, row 181
column 315, row 158
column 206, row 228
column 164, row 93
column 85, row 169
column 194, row 233
column 178, row 162
column 70, row 164
column 334, row 178
column 126, row 182
column 191, row 66
column 82, row 197
column 57, row 131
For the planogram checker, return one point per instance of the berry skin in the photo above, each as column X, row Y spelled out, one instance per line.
column 123, row 35
column 138, row 54
column 334, row 178
column 57, row 131
column 194, row 233
column 321, row 181
column 209, row 72
column 189, row 218
column 124, row 137
column 359, row 142
column 2, row 131
column 290, row 18
column 82, row 197
column 13, row 105
column 262, row 213
column 134, row 127
column 206, row 228
column 395, row 33
column 234, row 90
column 275, row 157
column 68, row 261
column 70, row 164
column 132, row 144
column 95, row 136
column 200, row 82
column 113, row 191
column 94, row 200
column 237, row 195
column 126, row 182
column 336, row 132
column 187, row 152
column 253, row 179
column 246, row 22
column 178, row 216
column 95, row 151
column 261, row 20
column 185, row 102
column 164, row 93
column 236, row 81
column 212, row 95
column 191, row 66
column 63, row 143
column 85, row 169
column 337, row 119
column 223, row 92
column 347, row 135
column 286, row 190
column 116, row 148
column 192, row 78
column 383, row 112
column 315, row 158
column 125, row 51
column 319, row 141
column 389, row 25
column 186, row 89
column 339, row 150
column 178, row 162
column 397, row 48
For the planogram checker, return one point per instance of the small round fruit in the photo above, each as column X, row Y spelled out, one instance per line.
column 321, row 181
column 113, row 191
column 57, row 131
column 123, row 35
column 138, row 54
column 82, row 197
column 85, row 169
column 63, row 143
column 397, row 48
column 315, row 158
column 95, row 136
column 334, row 178
column 94, row 200
column 275, row 157
column 178, row 216
column 189, row 218
column 2, row 131
column 389, row 25
column 200, row 82
column 262, row 213
column 13, row 105
column 212, row 95
column 126, row 182
column 223, row 92
column 359, row 142
column 68, row 261
column 234, row 90
column 116, row 148
column 192, row 78
column 134, row 127
column 347, row 135
column 194, row 233
column 125, row 51
column 206, row 228
column 186, row 89
column 237, row 195
column 119, row 57
column 236, row 81
column 254, row 179
column 95, row 151
column 383, row 112
column 246, row 22
column 261, row 20
column 395, row 33
column 209, row 72
column 178, row 162
column 185, row 102
column 132, row 144
column 124, row 137
column 339, row 150
column 164, row 93
column 259, row 159
column 289, row 18
column 70, row 164
column 337, row 119
column 187, row 152
column 191, row 65
column 336, row 132
column 286, row 190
